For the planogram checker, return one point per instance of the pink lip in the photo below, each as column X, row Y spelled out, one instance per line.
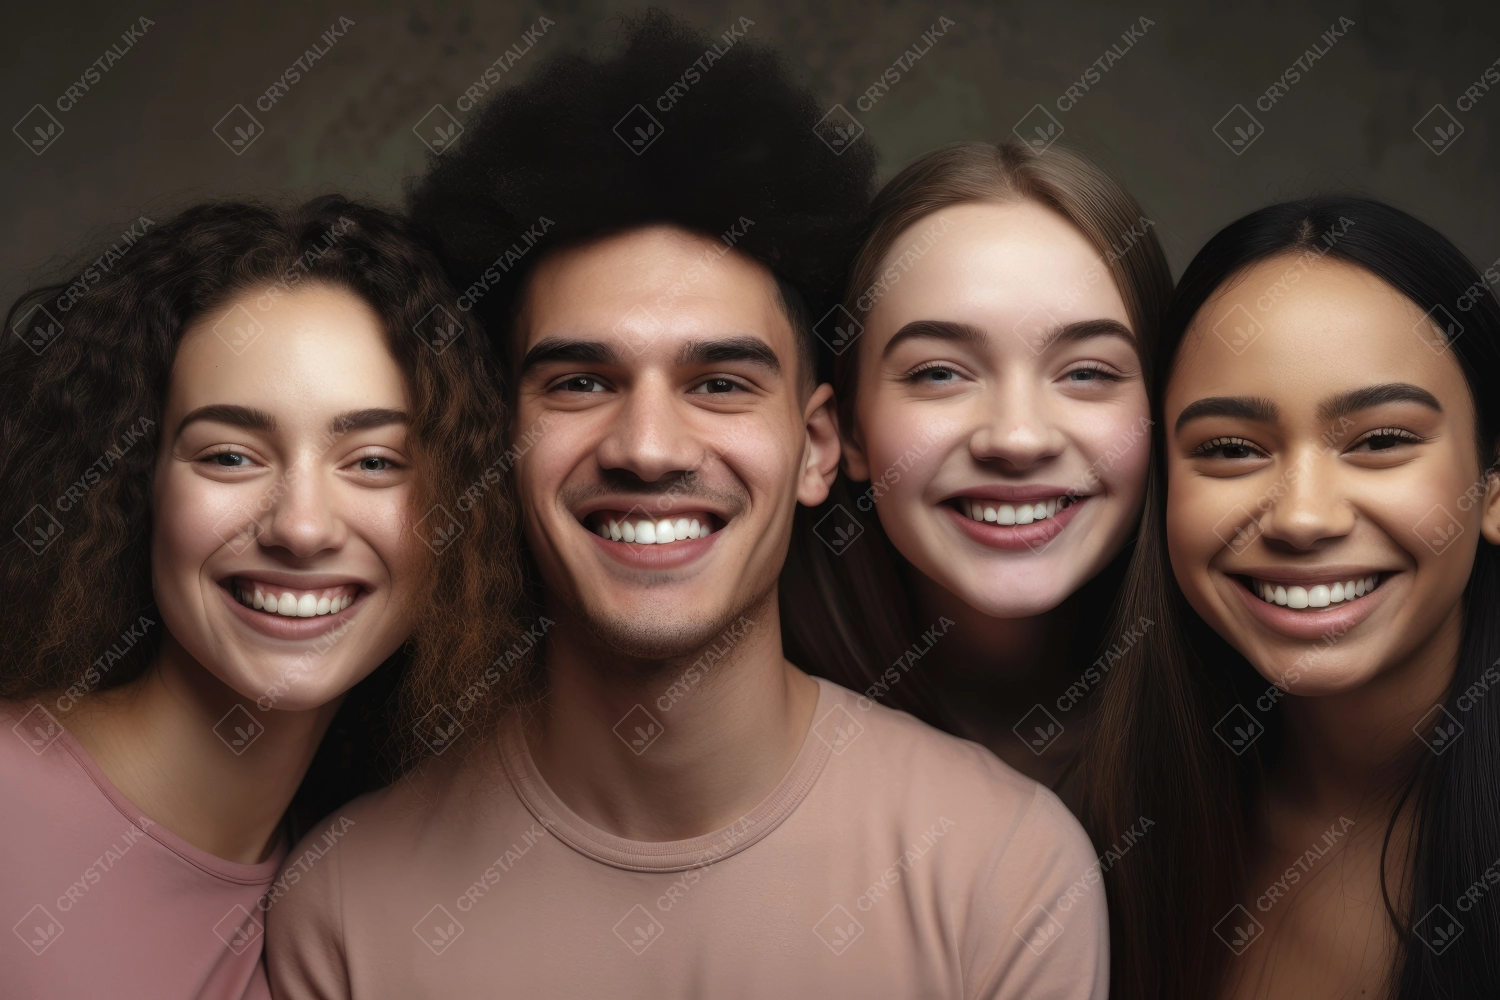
column 1310, row 625
column 1013, row 537
column 283, row 627
column 1030, row 493
column 638, row 555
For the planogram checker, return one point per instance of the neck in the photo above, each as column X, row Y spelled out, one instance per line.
column 990, row 672
column 154, row 739
column 1353, row 749
column 718, row 727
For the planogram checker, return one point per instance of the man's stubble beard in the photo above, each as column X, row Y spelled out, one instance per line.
column 664, row 643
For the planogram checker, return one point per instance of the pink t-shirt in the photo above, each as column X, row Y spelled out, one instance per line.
column 892, row 861
column 104, row 902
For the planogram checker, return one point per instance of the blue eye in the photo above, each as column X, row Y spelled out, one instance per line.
column 936, row 375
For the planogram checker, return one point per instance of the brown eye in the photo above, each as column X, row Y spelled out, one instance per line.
column 1229, row 448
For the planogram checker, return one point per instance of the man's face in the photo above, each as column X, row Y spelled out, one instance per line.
column 666, row 442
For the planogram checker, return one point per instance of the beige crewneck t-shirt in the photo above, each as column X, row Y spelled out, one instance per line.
column 892, row 861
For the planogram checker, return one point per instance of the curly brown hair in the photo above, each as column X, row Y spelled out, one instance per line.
column 84, row 382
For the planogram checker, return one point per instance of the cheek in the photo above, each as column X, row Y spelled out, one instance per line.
column 191, row 513
column 1192, row 514
column 383, row 518
column 905, row 441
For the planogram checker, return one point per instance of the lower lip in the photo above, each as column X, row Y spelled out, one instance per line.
column 669, row 556
column 1311, row 625
column 285, row 627
column 1015, row 537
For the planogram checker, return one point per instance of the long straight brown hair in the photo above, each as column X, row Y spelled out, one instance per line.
column 848, row 605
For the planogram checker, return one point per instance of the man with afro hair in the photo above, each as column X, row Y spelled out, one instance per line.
column 680, row 812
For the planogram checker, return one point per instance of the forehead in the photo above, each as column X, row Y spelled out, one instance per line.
column 1298, row 328
column 321, row 347
column 993, row 264
column 650, row 290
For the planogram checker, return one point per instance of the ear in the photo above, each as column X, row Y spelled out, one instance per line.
column 822, row 457
column 1489, row 524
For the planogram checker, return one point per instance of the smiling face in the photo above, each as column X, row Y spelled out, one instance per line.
column 282, row 557
column 1001, row 415
column 666, row 440
column 1325, row 493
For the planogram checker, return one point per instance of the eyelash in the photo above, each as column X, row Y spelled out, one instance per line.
column 1206, row 449
column 915, row 375
column 1403, row 436
column 227, row 451
column 1101, row 370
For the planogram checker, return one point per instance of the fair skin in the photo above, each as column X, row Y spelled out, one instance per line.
column 1314, row 457
column 1000, row 372
column 666, row 383
column 282, row 469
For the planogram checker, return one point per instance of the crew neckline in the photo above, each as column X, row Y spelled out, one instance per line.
column 230, row 871
column 665, row 855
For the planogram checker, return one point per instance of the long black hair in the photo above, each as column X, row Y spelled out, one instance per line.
column 1153, row 752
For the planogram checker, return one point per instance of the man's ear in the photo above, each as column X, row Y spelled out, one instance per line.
column 1489, row 524
column 822, row 462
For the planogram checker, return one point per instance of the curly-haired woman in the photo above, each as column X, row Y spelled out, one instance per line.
column 246, row 467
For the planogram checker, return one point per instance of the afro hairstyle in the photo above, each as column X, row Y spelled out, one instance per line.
column 732, row 151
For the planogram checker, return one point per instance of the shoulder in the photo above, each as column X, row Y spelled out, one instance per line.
column 924, row 761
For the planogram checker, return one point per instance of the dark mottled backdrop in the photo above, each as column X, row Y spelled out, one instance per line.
column 141, row 138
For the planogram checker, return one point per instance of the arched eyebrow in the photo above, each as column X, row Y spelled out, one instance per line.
column 1376, row 395
column 250, row 418
column 1244, row 407
column 235, row 416
column 938, row 329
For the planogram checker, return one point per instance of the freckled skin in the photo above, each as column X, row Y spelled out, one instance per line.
column 321, row 353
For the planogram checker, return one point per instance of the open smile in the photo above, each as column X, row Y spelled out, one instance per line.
column 1309, row 605
column 639, row 539
column 274, row 605
column 1012, row 523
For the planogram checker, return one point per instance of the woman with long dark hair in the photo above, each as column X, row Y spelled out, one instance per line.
column 991, row 378
column 248, row 459
column 1312, row 724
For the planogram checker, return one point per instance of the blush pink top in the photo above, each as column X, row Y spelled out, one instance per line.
column 892, row 861
column 103, row 902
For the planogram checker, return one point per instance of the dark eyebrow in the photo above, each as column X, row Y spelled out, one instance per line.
column 751, row 350
column 936, row 329
column 1376, row 395
column 555, row 349
column 359, row 420
column 1083, row 330
column 1244, row 407
column 236, row 416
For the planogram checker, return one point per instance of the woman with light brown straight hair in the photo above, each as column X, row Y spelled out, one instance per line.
column 991, row 380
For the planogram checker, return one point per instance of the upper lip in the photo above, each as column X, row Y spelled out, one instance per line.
column 658, row 507
column 1311, row 574
column 297, row 581
column 1017, row 494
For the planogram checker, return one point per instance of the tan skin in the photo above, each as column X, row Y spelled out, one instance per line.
column 1326, row 483
column 330, row 506
column 693, row 369
column 958, row 414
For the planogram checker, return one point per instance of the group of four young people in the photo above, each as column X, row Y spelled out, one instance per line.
column 534, row 508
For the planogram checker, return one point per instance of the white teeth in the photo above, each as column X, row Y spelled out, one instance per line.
column 1319, row 595
column 654, row 532
column 290, row 605
column 1005, row 513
